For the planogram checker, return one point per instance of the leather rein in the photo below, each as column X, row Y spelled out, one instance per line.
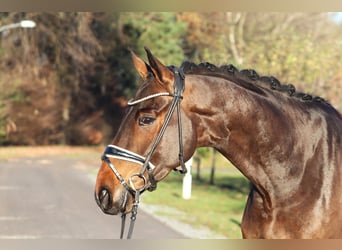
column 113, row 151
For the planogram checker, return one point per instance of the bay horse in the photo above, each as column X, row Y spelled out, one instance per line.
column 287, row 143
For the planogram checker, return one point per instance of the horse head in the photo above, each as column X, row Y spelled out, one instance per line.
column 145, row 149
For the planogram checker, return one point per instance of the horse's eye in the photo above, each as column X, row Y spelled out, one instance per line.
column 146, row 120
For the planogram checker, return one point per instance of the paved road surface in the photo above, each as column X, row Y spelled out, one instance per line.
column 53, row 198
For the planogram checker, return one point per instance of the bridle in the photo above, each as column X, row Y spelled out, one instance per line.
column 113, row 151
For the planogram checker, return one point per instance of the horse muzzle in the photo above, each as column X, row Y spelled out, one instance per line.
column 113, row 204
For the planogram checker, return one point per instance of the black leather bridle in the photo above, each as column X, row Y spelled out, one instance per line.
column 113, row 151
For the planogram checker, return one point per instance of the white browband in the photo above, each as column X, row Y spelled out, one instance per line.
column 133, row 102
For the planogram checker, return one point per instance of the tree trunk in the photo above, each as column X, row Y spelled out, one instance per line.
column 213, row 163
column 198, row 168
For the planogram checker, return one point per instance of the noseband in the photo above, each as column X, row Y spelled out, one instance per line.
column 113, row 151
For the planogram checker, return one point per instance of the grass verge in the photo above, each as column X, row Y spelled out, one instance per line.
column 219, row 207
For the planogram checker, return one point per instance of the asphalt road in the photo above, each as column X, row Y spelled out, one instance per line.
column 53, row 198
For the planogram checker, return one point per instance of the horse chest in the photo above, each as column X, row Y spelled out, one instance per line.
column 303, row 220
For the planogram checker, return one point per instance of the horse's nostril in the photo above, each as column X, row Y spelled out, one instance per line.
column 104, row 199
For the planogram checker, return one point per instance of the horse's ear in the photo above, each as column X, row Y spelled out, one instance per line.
column 160, row 71
column 141, row 66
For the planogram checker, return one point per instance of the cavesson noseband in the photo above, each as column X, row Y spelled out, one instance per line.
column 113, row 151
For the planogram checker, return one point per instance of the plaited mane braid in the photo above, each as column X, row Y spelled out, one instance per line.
column 249, row 79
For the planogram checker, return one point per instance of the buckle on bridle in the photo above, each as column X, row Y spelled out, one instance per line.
column 131, row 182
column 113, row 151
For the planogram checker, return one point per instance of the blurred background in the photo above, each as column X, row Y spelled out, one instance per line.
column 67, row 80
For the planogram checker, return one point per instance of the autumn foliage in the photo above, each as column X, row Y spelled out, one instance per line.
column 67, row 80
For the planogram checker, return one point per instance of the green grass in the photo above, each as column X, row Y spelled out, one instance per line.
column 219, row 207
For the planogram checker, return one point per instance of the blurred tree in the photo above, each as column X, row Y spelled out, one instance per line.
column 205, row 39
column 200, row 153
column 300, row 48
column 213, row 167
column 60, row 76
column 160, row 31
column 67, row 80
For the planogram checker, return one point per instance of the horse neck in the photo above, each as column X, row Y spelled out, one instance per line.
column 250, row 130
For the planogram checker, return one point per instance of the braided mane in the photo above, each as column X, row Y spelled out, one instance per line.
column 249, row 79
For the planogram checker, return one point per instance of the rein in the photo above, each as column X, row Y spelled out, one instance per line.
column 113, row 151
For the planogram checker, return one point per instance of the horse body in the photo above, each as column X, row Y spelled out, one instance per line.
column 288, row 147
